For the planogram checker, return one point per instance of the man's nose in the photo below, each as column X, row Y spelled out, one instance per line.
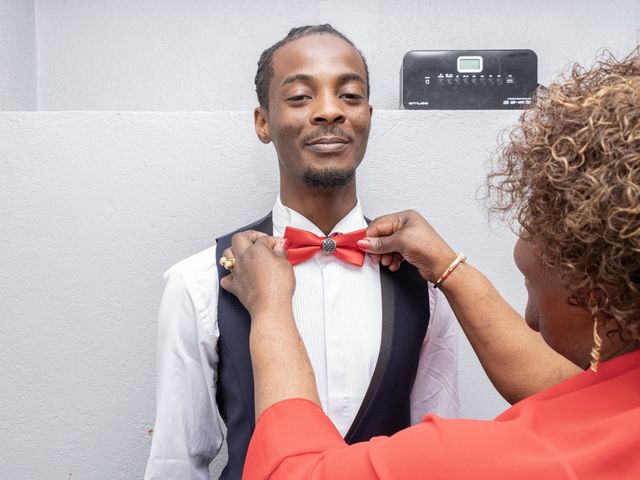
column 328, row 109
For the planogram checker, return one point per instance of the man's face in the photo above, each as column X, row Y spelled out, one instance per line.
column 319, row 114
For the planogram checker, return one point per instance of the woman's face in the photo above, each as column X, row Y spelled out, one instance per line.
column 565, row 327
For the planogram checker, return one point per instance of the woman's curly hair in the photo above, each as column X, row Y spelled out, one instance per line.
column 569, row 173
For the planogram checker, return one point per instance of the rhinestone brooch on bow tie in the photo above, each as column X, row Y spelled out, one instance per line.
column 328, row 246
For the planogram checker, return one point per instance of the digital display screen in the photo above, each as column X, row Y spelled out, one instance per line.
column 469, row 63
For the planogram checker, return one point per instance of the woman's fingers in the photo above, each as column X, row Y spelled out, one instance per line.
column 386, row 259
column 397, row 261
column 380, row 245
column 243, row 240
column 391, row 260
column 406, row 236
column 382, row 235
column 277, row 244
column 227, row 283
column 387, row 224
column 261, row 275
column 227, row 254
column 240, row 242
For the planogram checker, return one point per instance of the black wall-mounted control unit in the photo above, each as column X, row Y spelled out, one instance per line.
column 468, row 79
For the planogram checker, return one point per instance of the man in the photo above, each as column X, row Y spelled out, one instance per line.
column 364, row 328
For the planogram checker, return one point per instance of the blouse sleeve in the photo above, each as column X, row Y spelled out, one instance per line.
column 295, row 439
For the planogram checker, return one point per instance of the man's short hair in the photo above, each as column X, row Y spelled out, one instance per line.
column 265, row 64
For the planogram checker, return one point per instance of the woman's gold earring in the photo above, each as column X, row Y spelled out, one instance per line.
column 597, row 341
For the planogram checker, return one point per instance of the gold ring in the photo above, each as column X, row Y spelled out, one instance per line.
column 227, row 263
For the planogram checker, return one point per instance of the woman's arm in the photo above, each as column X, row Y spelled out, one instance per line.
column 263, row 281
column 516, row 359
column 281, row 366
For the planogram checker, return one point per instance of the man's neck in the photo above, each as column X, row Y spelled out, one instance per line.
column 325, row 207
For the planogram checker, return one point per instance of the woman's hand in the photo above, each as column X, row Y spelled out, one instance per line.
column 396, row 237
column 261, row 277
column 263, row 281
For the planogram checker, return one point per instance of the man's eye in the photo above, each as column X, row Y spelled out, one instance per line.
column 351, row 96
column 298, row 98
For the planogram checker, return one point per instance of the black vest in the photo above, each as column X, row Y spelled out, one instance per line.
column 385, row 408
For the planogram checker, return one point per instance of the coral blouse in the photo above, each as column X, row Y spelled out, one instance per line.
column 587, row 427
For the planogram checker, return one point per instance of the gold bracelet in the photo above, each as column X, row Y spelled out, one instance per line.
column 461, row 258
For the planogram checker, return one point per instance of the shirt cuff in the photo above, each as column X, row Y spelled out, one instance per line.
column 289, row 428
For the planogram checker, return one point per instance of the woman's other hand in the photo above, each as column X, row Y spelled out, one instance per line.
column 261, row 277
column 396, row 237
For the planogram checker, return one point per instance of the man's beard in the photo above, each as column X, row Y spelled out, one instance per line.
column 328, row 177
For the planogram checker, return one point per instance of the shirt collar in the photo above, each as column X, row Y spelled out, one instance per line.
column 284, row 216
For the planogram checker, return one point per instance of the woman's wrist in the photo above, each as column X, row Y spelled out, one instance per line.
column 269, row 329
column 433, row 265
column 459, row 260
column 272, row 314
column 457, row 283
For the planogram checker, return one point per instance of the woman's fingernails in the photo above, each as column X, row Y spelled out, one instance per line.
column 364, row 244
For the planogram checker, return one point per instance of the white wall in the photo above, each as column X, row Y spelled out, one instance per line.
column 17, row 55
column 202, row 54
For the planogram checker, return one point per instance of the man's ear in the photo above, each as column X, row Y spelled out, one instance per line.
column 261, row 122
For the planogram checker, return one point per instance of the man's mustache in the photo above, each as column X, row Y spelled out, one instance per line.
column 326, row 131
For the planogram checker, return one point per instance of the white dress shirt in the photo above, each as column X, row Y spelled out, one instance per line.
column 338, row 312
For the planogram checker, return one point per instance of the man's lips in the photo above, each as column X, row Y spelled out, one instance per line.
column 328, row 144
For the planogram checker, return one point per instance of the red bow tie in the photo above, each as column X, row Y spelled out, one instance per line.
column 304, row 245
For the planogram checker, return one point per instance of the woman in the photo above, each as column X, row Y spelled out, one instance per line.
column 570, row 175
